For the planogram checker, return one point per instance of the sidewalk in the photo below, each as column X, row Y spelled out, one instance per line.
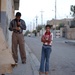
column 70, row 42
column 23, row 69
column 32, row 64
column 30, row 68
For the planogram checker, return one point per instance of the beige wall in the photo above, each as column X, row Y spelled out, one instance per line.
column 71, row 33
column 7, row 14
column 10, row 9
column 3, row 5
column 7, row 10
column 10, row 15
column 0, row 12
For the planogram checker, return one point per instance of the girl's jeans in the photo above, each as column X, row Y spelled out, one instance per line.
column 45, row 55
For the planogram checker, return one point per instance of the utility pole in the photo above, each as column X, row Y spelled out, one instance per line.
column 36, row 21
column 30, row 26
column 42, row 20
column 41, row 17
column 55, row 9
column 55, row 15
column 33, row 25
column 36, row 24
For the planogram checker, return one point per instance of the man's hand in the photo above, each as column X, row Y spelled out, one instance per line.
column 18, row 28
column 19, row 23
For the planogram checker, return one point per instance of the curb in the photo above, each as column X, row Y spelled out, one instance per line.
column 33, row 61
column 70, row 42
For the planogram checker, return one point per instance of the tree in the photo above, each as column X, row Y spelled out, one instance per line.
column 73, row 10
column 39, row 28
column 34, row 31
column 73, row 14
column 72, row 24
column 61, row 25
column 26, row 33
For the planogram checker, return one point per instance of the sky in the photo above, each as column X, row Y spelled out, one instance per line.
column 32, row 8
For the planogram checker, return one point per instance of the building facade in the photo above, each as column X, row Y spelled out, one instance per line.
column 67, row 32
column 57, row 22
column 7, row 10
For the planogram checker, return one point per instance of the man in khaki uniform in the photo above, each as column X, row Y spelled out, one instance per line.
column 17, row 25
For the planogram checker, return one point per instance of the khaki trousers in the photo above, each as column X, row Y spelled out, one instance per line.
column 18, row 40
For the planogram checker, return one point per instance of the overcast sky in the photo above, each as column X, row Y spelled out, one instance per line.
column 31, row 8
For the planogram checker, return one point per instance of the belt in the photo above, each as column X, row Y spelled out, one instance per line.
column 46, row 45
column 17, row 32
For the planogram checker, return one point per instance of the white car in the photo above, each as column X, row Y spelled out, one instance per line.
column 29, row 35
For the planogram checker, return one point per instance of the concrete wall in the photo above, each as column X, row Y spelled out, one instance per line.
column 7, row 14
column 9, row 17
column 71, row 33
column 0, row 12
column 3, row 15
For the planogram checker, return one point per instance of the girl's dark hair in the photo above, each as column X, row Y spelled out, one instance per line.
column 18, row 14
column 48, row 26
